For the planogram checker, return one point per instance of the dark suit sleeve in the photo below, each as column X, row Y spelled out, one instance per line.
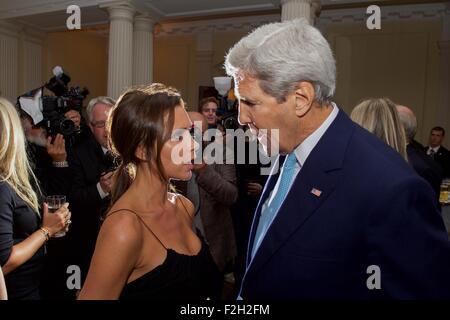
column 220, row 184
column 434, row 178
column 57, row 181
column 447, row 165
column 6, row 223
column 407, row 240
column 83, row 194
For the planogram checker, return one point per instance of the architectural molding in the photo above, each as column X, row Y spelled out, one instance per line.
column 142, row 22
column 402, row 12
column 32, row 7
column 120, row 11
column 216, row 25
column 17, row 30
column 10, row 29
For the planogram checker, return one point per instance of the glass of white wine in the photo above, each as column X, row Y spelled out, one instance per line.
column 54, row 203
column 444, row 196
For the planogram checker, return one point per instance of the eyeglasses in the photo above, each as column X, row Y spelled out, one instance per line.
column 98, row 124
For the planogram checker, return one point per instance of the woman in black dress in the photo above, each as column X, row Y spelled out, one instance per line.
column 22, row 231
column 146, row 248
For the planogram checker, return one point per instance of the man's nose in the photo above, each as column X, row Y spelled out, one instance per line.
column 243, row 116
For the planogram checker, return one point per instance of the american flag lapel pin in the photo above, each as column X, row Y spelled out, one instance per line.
column 316, row 192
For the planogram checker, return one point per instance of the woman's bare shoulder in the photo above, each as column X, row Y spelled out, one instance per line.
column 122, row 227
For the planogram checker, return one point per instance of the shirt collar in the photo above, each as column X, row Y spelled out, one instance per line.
column 435, row 149
column 304, row 149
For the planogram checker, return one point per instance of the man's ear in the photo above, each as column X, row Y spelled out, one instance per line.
column 304, row 98
column 141, row 153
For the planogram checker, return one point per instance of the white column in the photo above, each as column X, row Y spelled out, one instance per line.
column 9, row 63
column 143, row 50
column 120, row 60
column 294, row 9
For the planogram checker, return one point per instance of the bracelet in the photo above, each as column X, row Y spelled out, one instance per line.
column 60, row 164
column 45, row 232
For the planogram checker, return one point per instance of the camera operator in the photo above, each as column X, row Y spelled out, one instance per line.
column 91, row 166
column 48, row 158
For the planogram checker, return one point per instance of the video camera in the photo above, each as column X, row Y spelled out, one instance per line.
column 48, row 111
column 228, row 113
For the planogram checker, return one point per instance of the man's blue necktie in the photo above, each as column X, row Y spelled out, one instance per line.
column 271, row 209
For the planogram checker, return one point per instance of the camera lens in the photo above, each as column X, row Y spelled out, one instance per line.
column 231, row 123
column 67, row 127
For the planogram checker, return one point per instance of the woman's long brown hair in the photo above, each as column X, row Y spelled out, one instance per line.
column 142, row 116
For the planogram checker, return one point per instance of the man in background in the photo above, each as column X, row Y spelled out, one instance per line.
column 437, row 151
column 92, row 168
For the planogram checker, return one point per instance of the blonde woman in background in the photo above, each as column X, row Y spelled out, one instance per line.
column 23, row 232
column 379, row 116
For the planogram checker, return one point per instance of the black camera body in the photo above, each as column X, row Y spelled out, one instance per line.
column 230, row 120
column 54, row 107
column 228, row 113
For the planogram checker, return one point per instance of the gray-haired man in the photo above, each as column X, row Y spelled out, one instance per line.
column 91, row 176
column 345, row 217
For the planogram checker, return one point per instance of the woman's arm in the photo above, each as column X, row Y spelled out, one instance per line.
column 116, row 254
column 3, row 294
column 23, row 251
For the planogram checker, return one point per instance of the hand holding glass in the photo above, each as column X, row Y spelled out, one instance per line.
column 54, row 203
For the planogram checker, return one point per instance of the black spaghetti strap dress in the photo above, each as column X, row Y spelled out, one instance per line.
column 179, row 277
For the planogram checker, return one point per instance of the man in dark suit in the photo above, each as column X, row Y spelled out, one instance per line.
column 91, row 166
column 437, row 151
column 422, row 164
column 345, row 217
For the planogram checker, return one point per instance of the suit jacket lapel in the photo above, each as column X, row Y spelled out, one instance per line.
column 320, row 171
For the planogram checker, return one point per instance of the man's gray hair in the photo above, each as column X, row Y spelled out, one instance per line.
column 282, row 54
column 93, row 102
column 409, row 121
